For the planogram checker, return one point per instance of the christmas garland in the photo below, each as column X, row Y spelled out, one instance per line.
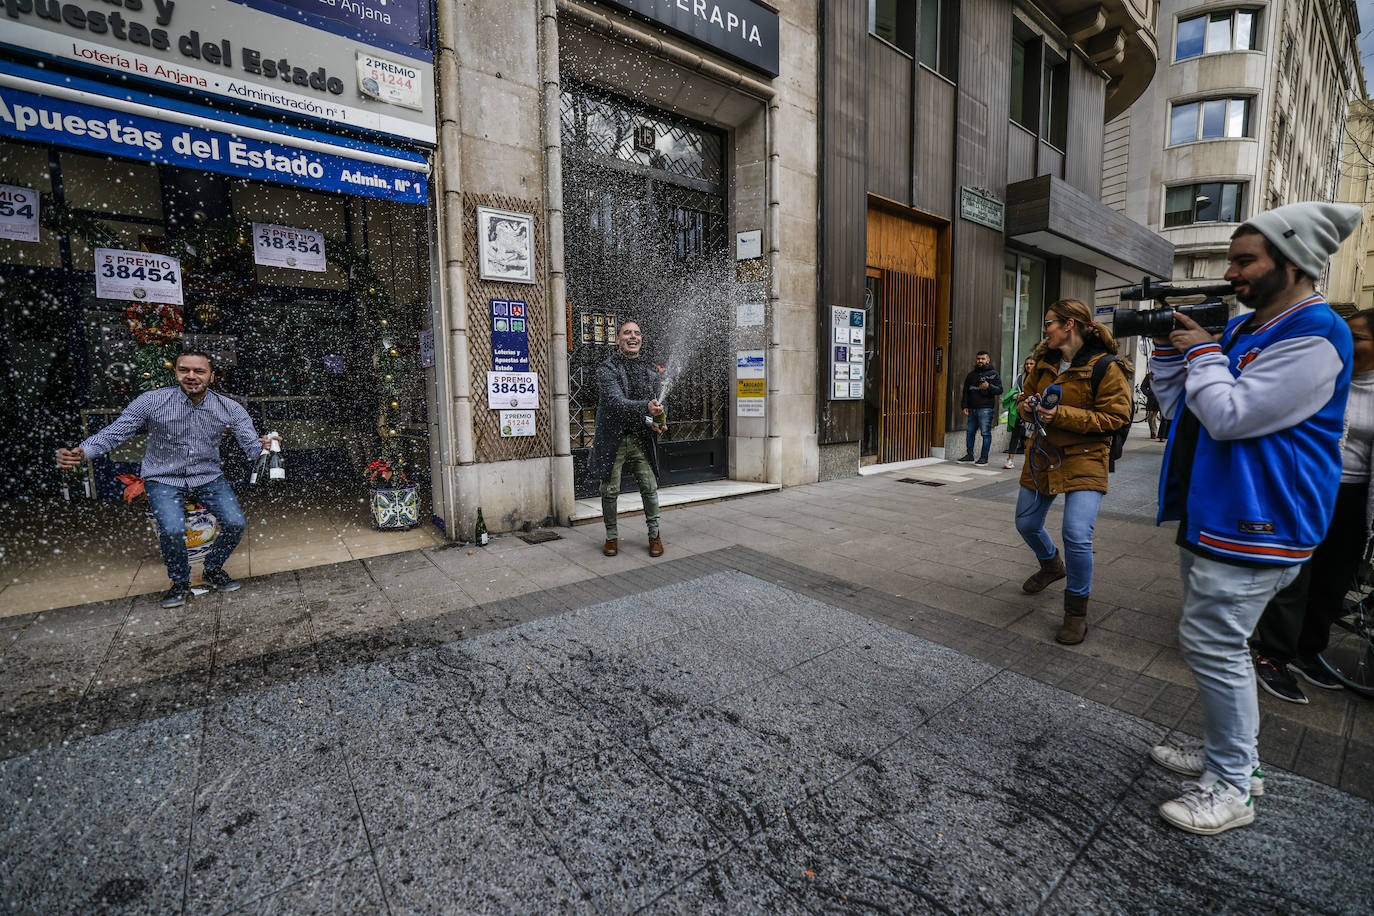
column 217, row 248
column 154, row 323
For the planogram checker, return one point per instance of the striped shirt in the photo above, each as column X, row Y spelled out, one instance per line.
column 183, row 438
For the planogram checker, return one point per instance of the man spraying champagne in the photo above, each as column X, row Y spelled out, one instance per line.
column 629, row 418
column 184, row 423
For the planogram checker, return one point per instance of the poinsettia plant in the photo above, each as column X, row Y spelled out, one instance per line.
column 386, row 473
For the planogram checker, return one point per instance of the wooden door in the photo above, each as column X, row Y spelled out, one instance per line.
column 905, row 348
column 903, row 255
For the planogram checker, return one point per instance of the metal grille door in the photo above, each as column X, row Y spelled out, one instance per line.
column 642, row 195
column 908, row 384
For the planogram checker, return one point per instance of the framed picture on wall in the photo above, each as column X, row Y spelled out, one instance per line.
column 506, row 241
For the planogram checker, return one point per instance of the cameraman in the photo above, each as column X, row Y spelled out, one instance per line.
column 1251, row 472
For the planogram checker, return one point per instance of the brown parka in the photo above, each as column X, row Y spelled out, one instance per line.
column 1082, row 429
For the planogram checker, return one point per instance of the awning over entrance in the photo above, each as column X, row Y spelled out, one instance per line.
column 41, row 107
column 1054, row 217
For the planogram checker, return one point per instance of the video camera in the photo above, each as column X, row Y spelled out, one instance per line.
column 1211, row 313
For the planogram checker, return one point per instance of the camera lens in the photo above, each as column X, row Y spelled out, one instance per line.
column 1146, row 322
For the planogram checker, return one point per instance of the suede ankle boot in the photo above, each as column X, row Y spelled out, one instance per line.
column 1051, row 570
column 1075, row 625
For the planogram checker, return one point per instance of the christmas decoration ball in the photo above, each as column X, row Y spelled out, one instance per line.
column 395, row 405
column 167, row 364
column 372, row 291
column 386, row 378
column 392, row 432
column 147, row 375
column 385, row 323
column 392, row 352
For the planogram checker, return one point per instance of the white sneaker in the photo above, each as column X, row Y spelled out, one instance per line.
column 1009, row 465
column 1209, row 808
column 1186, row 757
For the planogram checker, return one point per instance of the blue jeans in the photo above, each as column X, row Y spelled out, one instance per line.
column 1221, row 605
column 1080, row 515
column 169, row 508
column 979, row 420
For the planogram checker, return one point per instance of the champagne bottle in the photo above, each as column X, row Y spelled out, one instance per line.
column 276, row 461
column 260, row 466
column 480, row 535
column 75, row 483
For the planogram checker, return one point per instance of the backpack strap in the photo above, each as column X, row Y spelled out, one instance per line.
column 1100, row 372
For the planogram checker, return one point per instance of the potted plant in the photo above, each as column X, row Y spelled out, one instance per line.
column 395, row 500
column 201, row 526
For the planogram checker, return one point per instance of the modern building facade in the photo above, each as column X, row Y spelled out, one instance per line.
column 960, row 174
column 1351, row 283
column 1246, row 113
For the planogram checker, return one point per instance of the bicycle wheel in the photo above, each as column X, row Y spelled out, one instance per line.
column 1350, row 654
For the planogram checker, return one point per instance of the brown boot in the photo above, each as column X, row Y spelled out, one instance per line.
column 611, row 547
column 655, row 546
column 1075, row 625
column 1051, row 570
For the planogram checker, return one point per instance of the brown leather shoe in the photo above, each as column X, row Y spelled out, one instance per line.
column 1075, row 625
column 1051, row 570
column 655, row 546
column 611, row 547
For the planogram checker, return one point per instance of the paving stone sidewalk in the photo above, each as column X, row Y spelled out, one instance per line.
column 842, row 679
column 720, row 743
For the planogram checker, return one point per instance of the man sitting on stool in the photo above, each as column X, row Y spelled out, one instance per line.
column 184, row 422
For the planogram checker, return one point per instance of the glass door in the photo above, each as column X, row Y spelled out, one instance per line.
column 1023, row 310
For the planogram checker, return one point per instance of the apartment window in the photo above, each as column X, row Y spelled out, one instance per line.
column 1025, row 81
column 1210, row 119
column 1215, row 33
column 940, row 35
column 1054, row 101
column 1209, row 202
column 894, row 21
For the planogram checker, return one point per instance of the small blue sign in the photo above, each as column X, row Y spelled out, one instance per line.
column 856, row 318
column 510, row 341
column 842, row 354
column 39, row 119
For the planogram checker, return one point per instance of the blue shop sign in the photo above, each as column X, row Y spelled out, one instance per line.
column 240, row 148
column 510, row 336
column 405, row 22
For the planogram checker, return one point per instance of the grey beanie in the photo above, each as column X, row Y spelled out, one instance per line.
column 1307, row 233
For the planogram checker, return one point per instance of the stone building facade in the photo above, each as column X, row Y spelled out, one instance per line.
column 1246, row 113
column 1350, row 286
column 666, row 155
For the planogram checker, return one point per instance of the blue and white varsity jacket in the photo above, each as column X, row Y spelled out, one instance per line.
column 1271, row 403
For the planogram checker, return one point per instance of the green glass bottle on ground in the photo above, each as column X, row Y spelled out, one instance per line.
column 479, row 535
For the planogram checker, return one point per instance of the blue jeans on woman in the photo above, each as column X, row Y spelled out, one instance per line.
column 979, row 420
column 1080, row 515
column 169, row 508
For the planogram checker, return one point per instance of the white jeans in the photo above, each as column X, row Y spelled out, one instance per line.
column 1221, row 605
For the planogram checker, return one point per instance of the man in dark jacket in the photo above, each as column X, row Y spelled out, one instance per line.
column 982, row 394
column 628, row 421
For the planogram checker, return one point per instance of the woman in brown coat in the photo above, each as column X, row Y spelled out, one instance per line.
column 1069, row 452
